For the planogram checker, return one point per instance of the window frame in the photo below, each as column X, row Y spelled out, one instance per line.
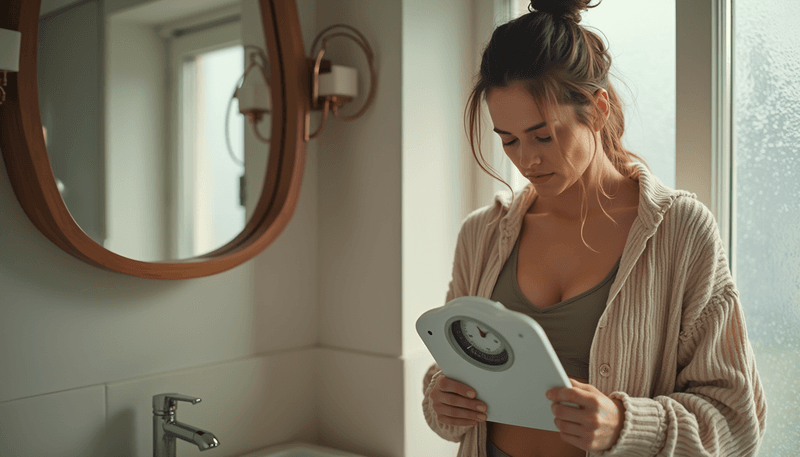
column 182, row 47
column 704, row 141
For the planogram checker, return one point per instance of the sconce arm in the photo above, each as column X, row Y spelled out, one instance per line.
column 315, row 102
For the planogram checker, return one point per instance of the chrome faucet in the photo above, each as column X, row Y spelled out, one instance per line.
column 166, row 428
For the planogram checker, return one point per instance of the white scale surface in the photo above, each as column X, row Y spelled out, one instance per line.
column 513, row 384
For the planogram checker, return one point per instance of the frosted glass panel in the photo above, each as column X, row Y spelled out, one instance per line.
column 767, row 203
column 641, row 38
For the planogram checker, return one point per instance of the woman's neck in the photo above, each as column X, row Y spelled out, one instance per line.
column 622, row 193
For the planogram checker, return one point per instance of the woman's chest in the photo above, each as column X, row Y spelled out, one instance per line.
column 558, row 260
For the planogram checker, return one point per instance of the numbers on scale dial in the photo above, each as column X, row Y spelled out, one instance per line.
column 479, row 342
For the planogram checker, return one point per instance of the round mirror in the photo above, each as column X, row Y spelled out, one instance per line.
column 164, row 136
column 144, row 134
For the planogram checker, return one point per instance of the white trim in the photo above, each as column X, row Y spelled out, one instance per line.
column 693, row 126
column 169, row 29
column 703, row 121
column 721, row 120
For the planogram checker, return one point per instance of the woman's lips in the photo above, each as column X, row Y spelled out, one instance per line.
column 540, row 178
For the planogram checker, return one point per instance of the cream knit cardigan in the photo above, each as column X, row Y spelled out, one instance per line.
column 672, row 343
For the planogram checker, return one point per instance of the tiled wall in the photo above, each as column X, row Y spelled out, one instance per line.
column 248, row 404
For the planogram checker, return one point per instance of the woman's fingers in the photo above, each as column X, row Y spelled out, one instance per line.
column 567, row 413
column 446, row 384
column 576, row 395
column 454, row 403
column 595, row 422
column 569, row 428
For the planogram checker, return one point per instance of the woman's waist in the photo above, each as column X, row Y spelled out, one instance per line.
column 519, row 441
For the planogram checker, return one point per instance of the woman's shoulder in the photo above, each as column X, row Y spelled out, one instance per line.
column 673, row 209
column 487, row 221
column 691, row 230
column 687, row 211
column 495, row 213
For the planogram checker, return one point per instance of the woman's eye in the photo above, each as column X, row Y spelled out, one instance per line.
column 540, row 140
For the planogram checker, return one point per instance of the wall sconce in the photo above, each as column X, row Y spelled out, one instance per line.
column 9, row 57
column 333, row 86
column 253, row 93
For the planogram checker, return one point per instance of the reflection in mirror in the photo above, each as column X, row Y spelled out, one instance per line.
column 142, row 128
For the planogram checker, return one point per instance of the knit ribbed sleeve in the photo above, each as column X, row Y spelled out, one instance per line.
column 717, row 407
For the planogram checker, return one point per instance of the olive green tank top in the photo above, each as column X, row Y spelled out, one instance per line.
column 569, row 324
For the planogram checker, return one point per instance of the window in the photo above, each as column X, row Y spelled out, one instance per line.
column 766, row 210
column 206, row 67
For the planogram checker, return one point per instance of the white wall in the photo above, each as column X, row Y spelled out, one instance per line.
column 361, row 392
column 312, row 340
column 83, row 350
column 69, row 75
column 136, row 141
column 49, row 6
column 81, row 347
column 389, row 211
column 438, row 48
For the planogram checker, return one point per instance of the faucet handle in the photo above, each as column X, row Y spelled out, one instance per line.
column 164, row 404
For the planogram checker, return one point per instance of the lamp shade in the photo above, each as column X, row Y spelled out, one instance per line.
column 341, row 81
column 254, row 94
column 9, row 49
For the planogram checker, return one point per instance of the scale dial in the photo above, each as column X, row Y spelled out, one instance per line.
column 478, row 343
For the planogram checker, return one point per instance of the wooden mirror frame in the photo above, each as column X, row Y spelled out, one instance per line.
column 32, row 179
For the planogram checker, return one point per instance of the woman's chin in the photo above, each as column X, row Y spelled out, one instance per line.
column 547, row 189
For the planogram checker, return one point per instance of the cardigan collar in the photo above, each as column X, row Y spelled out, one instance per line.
column 655, row 198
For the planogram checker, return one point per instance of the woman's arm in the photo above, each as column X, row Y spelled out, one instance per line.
column 717, row 407
column 469, row 260
column 458, row 287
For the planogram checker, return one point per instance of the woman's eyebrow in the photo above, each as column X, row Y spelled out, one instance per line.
column 529, row 129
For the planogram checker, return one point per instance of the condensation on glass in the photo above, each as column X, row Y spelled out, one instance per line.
column 766, row 122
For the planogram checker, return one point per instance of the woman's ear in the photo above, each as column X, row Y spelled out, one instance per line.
column 601, row 98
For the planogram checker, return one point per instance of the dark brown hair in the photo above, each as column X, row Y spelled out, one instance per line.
column 558, row 61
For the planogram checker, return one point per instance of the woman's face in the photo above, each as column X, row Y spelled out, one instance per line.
column 527, row 140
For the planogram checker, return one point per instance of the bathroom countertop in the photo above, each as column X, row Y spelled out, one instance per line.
column 301, row 449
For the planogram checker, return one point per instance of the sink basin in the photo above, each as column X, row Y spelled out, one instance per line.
column 300, row 450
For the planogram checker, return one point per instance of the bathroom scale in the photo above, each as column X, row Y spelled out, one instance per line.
column 504, row 355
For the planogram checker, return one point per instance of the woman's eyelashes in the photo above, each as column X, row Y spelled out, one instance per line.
column 540, row 140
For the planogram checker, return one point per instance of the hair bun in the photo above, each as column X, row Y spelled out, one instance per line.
column 565, row 9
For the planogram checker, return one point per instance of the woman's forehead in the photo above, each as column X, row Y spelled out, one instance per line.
column 514, row 107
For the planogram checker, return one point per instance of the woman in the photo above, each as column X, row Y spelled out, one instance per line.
column 628, row 277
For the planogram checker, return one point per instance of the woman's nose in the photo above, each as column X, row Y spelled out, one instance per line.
column 530, row 157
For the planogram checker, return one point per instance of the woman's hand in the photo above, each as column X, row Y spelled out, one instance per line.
column 454, row 404
column 595, row 425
